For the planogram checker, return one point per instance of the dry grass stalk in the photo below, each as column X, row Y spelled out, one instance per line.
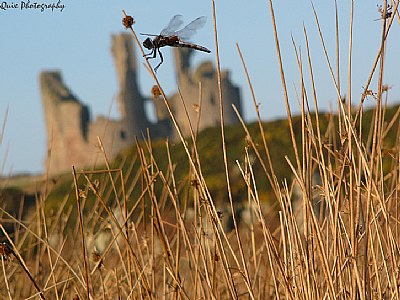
column 332, row 234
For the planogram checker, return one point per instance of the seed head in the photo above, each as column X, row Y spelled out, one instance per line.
column 155, row 91
column 5, row 250
column 128, row 21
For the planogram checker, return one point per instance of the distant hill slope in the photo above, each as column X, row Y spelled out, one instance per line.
column 209, row 147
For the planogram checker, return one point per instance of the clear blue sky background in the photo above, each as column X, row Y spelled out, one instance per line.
column 77, row 41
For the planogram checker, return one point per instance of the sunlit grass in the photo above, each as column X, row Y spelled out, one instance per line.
column 305, row 209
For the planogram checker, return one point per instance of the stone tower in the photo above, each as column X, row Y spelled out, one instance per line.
column 189, row 81
column 72, row 135
column 66, row 122
column 131, row 103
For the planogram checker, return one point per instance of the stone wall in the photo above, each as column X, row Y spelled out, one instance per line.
column 204, row 78
column 130, row 101
column 72, row 136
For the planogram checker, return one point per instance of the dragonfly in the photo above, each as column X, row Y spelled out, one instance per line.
column 172, row 36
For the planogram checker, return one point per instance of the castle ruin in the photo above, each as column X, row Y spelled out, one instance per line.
column 72, row 135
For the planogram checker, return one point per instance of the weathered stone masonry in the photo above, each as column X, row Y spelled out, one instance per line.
column 72, row 134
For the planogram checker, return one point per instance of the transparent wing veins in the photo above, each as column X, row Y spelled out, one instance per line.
column 190, row 29
column 174, row 24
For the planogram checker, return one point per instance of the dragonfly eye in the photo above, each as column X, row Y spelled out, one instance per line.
column 148, row 43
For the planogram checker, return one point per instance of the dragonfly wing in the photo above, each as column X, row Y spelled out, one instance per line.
column 174, row 24
column 190, row 29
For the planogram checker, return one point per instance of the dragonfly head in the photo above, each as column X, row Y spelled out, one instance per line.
column 148, row 43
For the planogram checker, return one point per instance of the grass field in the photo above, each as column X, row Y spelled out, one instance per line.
column 149, row 226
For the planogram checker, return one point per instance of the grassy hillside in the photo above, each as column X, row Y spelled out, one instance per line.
column 160, row 193
column 277, row 135
column 209, row 147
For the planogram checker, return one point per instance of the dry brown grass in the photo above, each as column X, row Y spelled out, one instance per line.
column 334, row 235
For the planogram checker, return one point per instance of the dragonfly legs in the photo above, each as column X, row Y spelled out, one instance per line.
column 153, row 54
column 162, row 60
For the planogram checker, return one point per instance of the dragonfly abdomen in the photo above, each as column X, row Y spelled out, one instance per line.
column 192, row 46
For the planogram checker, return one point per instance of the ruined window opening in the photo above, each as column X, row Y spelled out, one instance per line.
column 122, row 135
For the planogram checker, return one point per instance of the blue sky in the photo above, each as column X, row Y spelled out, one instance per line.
column 77, row 41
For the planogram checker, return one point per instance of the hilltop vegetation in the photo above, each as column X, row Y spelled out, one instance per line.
column 159, row 184
column 61, row 190
column 209, row 146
